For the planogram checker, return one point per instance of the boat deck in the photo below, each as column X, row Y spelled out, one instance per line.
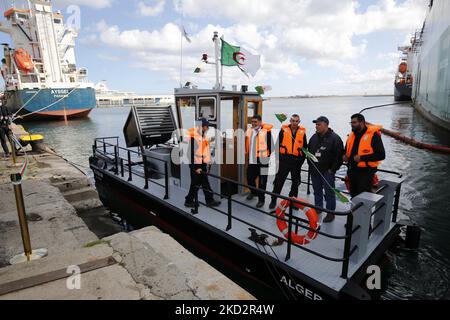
column 324, row 271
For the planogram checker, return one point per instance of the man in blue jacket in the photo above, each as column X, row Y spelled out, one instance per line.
column 328, row 148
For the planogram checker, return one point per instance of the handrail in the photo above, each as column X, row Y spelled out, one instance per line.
column 338, row 213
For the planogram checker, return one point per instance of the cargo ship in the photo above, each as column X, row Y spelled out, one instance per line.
column 429, row 60
column 403, row 78
column 42, row 81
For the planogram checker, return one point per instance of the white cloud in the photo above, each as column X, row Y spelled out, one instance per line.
column 147, row 10
column 108, row 57
column 96, row 4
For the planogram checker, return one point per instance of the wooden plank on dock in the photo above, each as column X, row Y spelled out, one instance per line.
column 51, row 276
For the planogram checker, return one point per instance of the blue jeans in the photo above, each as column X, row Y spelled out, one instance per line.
column 319, row 185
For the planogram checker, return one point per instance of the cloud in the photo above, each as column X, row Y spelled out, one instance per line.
column 147, row 10
column 96, row 4
column 108, row 57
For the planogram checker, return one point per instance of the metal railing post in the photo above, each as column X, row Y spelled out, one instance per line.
column 347, row 245
column 166, row 181
column 130, row 174
column 230, row 217
column 16, row 179
column 121, row 168
column 288, row 254
column 195, row 211
column 396, row 203
column 116, row 161
column 309, row 181
column 144, row 157
column 104, row 147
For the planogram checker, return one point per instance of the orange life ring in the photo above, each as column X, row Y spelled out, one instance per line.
column 23, row 60
column 313, row 219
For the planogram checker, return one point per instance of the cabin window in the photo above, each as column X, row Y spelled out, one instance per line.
column 207, row 109
column 58, row 21
column 22, row 16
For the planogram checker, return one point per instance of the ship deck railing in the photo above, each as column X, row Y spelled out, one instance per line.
column 384, row 207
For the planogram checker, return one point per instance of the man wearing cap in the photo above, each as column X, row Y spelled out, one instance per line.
column 328, row 148
column 200, row 158
column 292, row 139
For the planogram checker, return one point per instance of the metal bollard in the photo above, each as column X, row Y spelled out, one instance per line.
column 28, row 254
column 16, row 179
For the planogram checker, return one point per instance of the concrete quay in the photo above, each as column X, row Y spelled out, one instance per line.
column 88, row 257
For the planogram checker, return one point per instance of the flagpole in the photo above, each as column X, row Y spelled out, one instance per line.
column 181, row 62
column 216, row 45
column 181, row 47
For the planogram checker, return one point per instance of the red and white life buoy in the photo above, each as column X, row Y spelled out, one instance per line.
column 313, row 218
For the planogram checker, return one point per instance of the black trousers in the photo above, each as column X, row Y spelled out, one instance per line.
column 286, row 167
column 4, row 138
column 197, row 181
column 254, row 172
column 360, row 181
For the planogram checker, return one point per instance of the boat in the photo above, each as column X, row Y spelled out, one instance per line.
column 430, row 66
column 403, row 78
column 107, row 98
column 146, row 181
column 42, row 81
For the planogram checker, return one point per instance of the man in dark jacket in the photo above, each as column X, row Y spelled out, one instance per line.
column 328, row 148
column 5, row 122
column 364, row 153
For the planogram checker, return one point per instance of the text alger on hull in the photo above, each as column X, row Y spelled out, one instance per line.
column 331, row 266
column 39, row 70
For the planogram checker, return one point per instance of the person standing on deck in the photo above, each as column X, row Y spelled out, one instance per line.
column 5, row 122
column 292, row 139
column 328, row 148
column 258, row 147
column 200, row 158
column 364, row 153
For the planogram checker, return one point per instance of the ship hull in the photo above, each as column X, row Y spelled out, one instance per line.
column 402, row 92
column 431, row 67
column 260, row 274
column 51, row 104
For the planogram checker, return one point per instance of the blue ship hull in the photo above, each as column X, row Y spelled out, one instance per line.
column 51, row 104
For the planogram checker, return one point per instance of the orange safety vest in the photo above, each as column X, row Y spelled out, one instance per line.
column 286, row 146
column 202, row 152
column 365, row 146
column 262, row 150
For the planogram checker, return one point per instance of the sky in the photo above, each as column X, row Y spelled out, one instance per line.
column 315, row 47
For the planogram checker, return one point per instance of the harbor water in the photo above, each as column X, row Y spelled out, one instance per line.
column 411, row 274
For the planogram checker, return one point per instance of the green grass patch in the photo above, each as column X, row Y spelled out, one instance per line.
column 96, row 243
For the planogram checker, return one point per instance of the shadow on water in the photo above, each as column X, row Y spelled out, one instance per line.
column 420, row 274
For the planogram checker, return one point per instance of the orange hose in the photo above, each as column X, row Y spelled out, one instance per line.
column 415, row 143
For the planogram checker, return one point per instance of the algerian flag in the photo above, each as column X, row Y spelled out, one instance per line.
column 233, row 56
column 281, row 117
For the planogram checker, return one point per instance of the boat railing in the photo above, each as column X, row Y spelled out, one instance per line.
column 370, row 213
column 121, row 164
